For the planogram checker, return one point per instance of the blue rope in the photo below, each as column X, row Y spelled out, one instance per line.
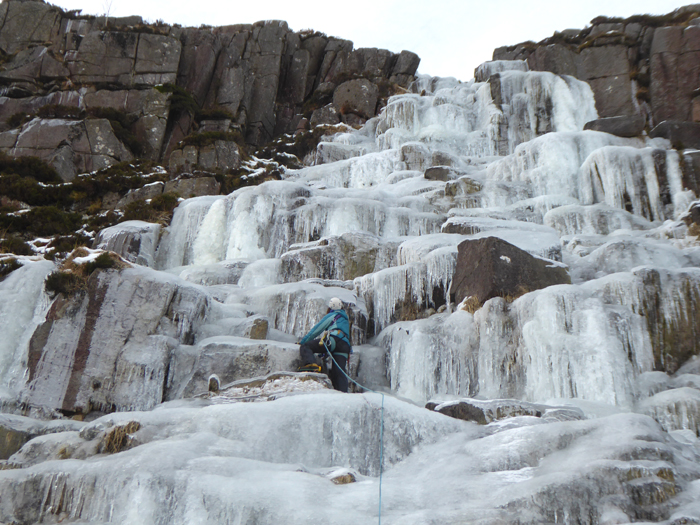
column 381, row 431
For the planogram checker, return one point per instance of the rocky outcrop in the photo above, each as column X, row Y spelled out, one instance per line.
column 264, row 78
column 71, row 147
column 492, row 267
column 646, row 65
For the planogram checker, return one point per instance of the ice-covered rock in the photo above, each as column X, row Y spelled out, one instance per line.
column 230, row 358
column 135, row 241
column 109, row 347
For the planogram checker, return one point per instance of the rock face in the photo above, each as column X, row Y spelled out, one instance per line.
column 644, row 65
column 492, row 267
column 111, row 341
column 264, row 77
column 681, row 134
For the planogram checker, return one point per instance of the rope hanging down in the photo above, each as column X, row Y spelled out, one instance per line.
column 381, row 431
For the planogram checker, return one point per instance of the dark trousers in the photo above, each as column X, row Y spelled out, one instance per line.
column 336, row 373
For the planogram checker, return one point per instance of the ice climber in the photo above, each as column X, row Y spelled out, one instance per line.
column 331, row 333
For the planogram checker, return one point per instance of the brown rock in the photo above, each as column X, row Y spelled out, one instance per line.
column 681, row 134
column 258, row 330
column 325, row 115
column 406, row 64
column 11, row 440
column 356, row 96
column 556, row 58
column 631, row 126
column 491, row 267
column 606, row 61
column 613, row 96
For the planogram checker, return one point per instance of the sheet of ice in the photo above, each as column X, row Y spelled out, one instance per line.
column 560, row 342
column 176, row 244
column 598, row 219
column 551, row 163
column 535, row 103
column 23, row 306
column 229, row 463
column 647, row 182
column 485, row 70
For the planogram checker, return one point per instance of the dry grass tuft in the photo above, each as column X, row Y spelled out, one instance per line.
column 119, row 438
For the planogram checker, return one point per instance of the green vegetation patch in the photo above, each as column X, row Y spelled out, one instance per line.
column 13, row 244
column 72, row 277
column 159, row 210
column 66, row 283
column 181, row 100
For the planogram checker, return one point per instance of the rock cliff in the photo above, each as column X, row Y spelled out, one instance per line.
column 157, row 84
column 644, row 64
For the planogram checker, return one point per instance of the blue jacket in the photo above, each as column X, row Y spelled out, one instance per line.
column 336, row 322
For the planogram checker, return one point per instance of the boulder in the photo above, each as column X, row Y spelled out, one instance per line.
column 491, row 267
column 148, row 191
column 631, row 126
column 556, row 58
column 356, row 96
column 613, row 96
column 485, row 412
column 406, row 64
column 683, row 135
column 415, row 156
column 325, row 115
column 15, row 431
column 221, row 155
column 11, row 439
column 442, row 173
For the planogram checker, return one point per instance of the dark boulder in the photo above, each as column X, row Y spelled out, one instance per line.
column 683, row 135
column 356, row 96
column 443, row 173
column 491, row 267
column 485, row 412
column 631, row 126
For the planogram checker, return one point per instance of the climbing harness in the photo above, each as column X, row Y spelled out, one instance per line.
column 381, row 431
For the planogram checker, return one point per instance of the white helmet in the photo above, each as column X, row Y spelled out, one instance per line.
column 335, row 304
